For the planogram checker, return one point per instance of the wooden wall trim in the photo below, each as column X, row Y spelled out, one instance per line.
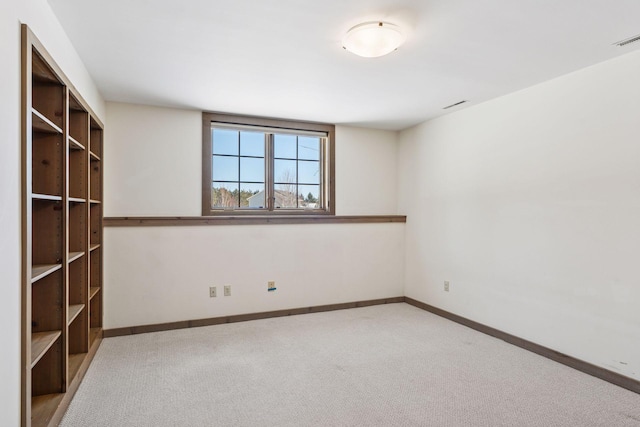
column 132, row 330
column 572, row 362
column 249, row 220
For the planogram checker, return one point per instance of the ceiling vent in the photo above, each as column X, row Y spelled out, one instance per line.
column 628, row 41
column 455, row 105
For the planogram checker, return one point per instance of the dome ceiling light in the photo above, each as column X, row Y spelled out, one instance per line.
column 373, row 39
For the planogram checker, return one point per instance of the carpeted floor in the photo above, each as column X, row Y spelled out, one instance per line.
column 388, row 365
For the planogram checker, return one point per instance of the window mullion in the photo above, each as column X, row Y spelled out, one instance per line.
column 297, row 199
column 239, row 171
column 268, row 185
column 323, row 184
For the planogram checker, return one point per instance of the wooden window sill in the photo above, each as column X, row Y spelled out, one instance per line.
column 139, row 221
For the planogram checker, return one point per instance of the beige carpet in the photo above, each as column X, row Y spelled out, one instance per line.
column 390, row 365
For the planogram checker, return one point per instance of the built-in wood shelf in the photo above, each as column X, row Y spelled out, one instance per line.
column 40, row 343
column 73, row 311
column 62, row 223
column 42, row 124
column 43, row 270
column 75, row 145
column 62, row 228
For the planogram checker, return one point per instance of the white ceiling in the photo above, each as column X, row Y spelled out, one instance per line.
column 283, row 58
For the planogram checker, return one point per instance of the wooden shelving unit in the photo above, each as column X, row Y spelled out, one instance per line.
column 62, row 236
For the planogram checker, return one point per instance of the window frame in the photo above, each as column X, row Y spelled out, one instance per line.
column 289, row 126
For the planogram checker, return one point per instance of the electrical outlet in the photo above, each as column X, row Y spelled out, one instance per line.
column 212, row 292
column 271, row 285
column 446, row 286
column 227, row 290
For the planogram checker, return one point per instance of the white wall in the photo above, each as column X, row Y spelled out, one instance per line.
column 530, row 206
column 153, row 161
column 163, row 274
column 38, row 15
column 366, row 171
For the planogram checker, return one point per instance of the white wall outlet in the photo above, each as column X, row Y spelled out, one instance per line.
column 213, row 292
column 446, row 286
column 271, row 285
column 227, row 290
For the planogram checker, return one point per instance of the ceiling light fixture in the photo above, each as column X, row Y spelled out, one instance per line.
column 373, row 39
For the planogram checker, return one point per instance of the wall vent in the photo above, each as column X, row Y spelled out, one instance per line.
column 456, row 104
column 628, row 41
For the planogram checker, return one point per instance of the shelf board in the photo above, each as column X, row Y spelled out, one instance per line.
column 75, row 361
column 77, row 200
column 74, row 144
column 74, row 105
column 93, row 291
column 94, row 157
column 43, row 270
column 38, row 196
column 42, row 124
column 43, row 408
column 40, row 343
column 73, row 312
column 95, row 202
column 93, row 334
column 94, row 247
column 42, row 73
column 74, row 256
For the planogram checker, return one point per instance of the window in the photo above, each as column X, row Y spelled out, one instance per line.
column 266, row 166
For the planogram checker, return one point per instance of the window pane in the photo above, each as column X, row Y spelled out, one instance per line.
column 225, row 141
column 252, row 195
column 252, row 144
column 225, row 168
column 251, row 169
column 286, row 196
column 284, row 146
column 310, row 195
column 284, row 171
column 224, row 195
column 308, row 148
column 309, row 172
